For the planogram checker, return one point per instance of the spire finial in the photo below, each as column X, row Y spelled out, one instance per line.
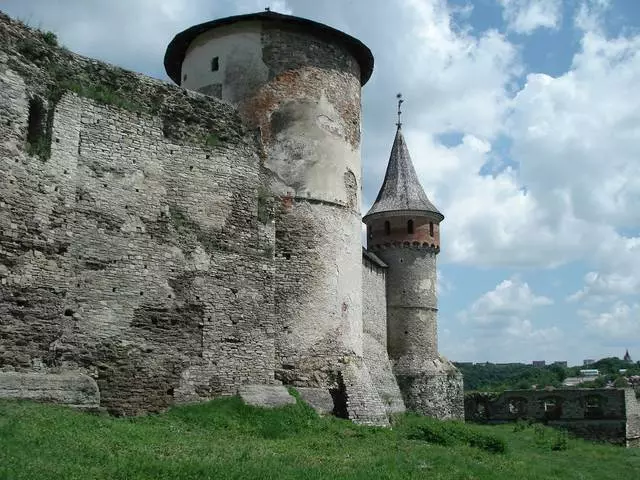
column 400, row 100
column 267, row 9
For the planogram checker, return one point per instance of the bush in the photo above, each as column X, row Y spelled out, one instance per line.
column 453, row 433
column 561, row 441
column 50, row 38
column 549, row 439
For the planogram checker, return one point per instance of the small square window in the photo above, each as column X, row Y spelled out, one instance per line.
column 215, row 64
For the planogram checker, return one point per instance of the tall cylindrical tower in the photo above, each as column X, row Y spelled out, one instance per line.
column 297, row 84
column 403, row 229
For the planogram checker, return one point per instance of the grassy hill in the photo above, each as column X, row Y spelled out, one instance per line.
column 227, row 439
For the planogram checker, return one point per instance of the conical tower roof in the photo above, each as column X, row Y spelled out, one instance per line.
column 401, row 191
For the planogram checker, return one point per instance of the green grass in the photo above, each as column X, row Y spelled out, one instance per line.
column 227, row 439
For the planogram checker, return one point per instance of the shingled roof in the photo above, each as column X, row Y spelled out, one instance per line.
column 401, row 191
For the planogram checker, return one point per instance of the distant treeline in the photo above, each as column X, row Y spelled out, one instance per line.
column 518, row 376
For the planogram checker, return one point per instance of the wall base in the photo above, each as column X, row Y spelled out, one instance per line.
column 435, row 390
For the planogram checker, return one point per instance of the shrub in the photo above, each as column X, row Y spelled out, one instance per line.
column 452, row 433
column 50, row 38
column 561, row 441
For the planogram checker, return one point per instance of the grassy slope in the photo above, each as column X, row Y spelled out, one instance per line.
column 226, row 439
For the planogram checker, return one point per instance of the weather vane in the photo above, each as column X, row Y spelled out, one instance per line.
column 400, row 100
column 267, row 9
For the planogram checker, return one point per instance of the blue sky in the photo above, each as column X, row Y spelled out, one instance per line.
column 523, row 121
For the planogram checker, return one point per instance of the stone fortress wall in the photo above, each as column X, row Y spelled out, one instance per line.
column 374, row 273
column 167, row 246
column 611, row 415
column 131, row 243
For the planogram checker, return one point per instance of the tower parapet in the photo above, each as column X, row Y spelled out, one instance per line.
column 403, row 229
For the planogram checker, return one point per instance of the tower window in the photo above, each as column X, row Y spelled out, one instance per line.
column 410, row 227
column 184, row 77
column 215, row 64
column 369, row 234
column 431, row 229
column 387, row 228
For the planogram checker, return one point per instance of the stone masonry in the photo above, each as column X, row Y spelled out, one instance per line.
column 611, row 415
column 176, row 244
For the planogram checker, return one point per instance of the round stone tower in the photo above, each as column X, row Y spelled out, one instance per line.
column 403, row 229
column 297, row 85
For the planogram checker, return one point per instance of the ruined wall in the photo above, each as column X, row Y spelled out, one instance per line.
column 593, row 414
column 133, row 242
column 632, row 407
column 437, row 390
column 374, row 319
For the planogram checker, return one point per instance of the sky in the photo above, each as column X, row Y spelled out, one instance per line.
column 522, row 118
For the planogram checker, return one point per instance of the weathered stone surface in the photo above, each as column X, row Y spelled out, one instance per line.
column 363, row 404
column 318, row 398
column 131, row 246
column 610, row 415
column 632, row 412
column 268, row 396
column 374, row 319
column 70, row 388
column 434, row 389
column 176, row 247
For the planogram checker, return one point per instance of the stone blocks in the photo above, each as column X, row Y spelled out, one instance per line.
column 267, row 396
column 70, row 388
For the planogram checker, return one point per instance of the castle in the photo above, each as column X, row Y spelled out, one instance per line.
column 163, row 244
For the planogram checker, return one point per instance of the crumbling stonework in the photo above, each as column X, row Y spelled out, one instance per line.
column 610, row 415
column 70, row 388
column 177, row 245
column 374, row 318
column 131, row 250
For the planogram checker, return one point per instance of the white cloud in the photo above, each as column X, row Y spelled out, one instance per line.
column 622, row 322
column 500, row 326
column 460, row 77
column 618, row 261
column 506, row 307
column 525, row 16
column 444, row 285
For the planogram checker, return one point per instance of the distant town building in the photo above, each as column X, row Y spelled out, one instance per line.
column 588, row 361
column 538, row 363
column 589, row 372
column 561, row 363
column 627, row 357
column 572, row 381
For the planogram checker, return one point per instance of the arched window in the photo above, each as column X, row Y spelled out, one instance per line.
column 410, row 227
column 431, row 229
column 387, row 228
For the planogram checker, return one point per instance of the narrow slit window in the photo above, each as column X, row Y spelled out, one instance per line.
column 387, row 228
column 36, row 122
column 410, row 227
column 431, row 229
column 215, row 64
column 369, row 233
